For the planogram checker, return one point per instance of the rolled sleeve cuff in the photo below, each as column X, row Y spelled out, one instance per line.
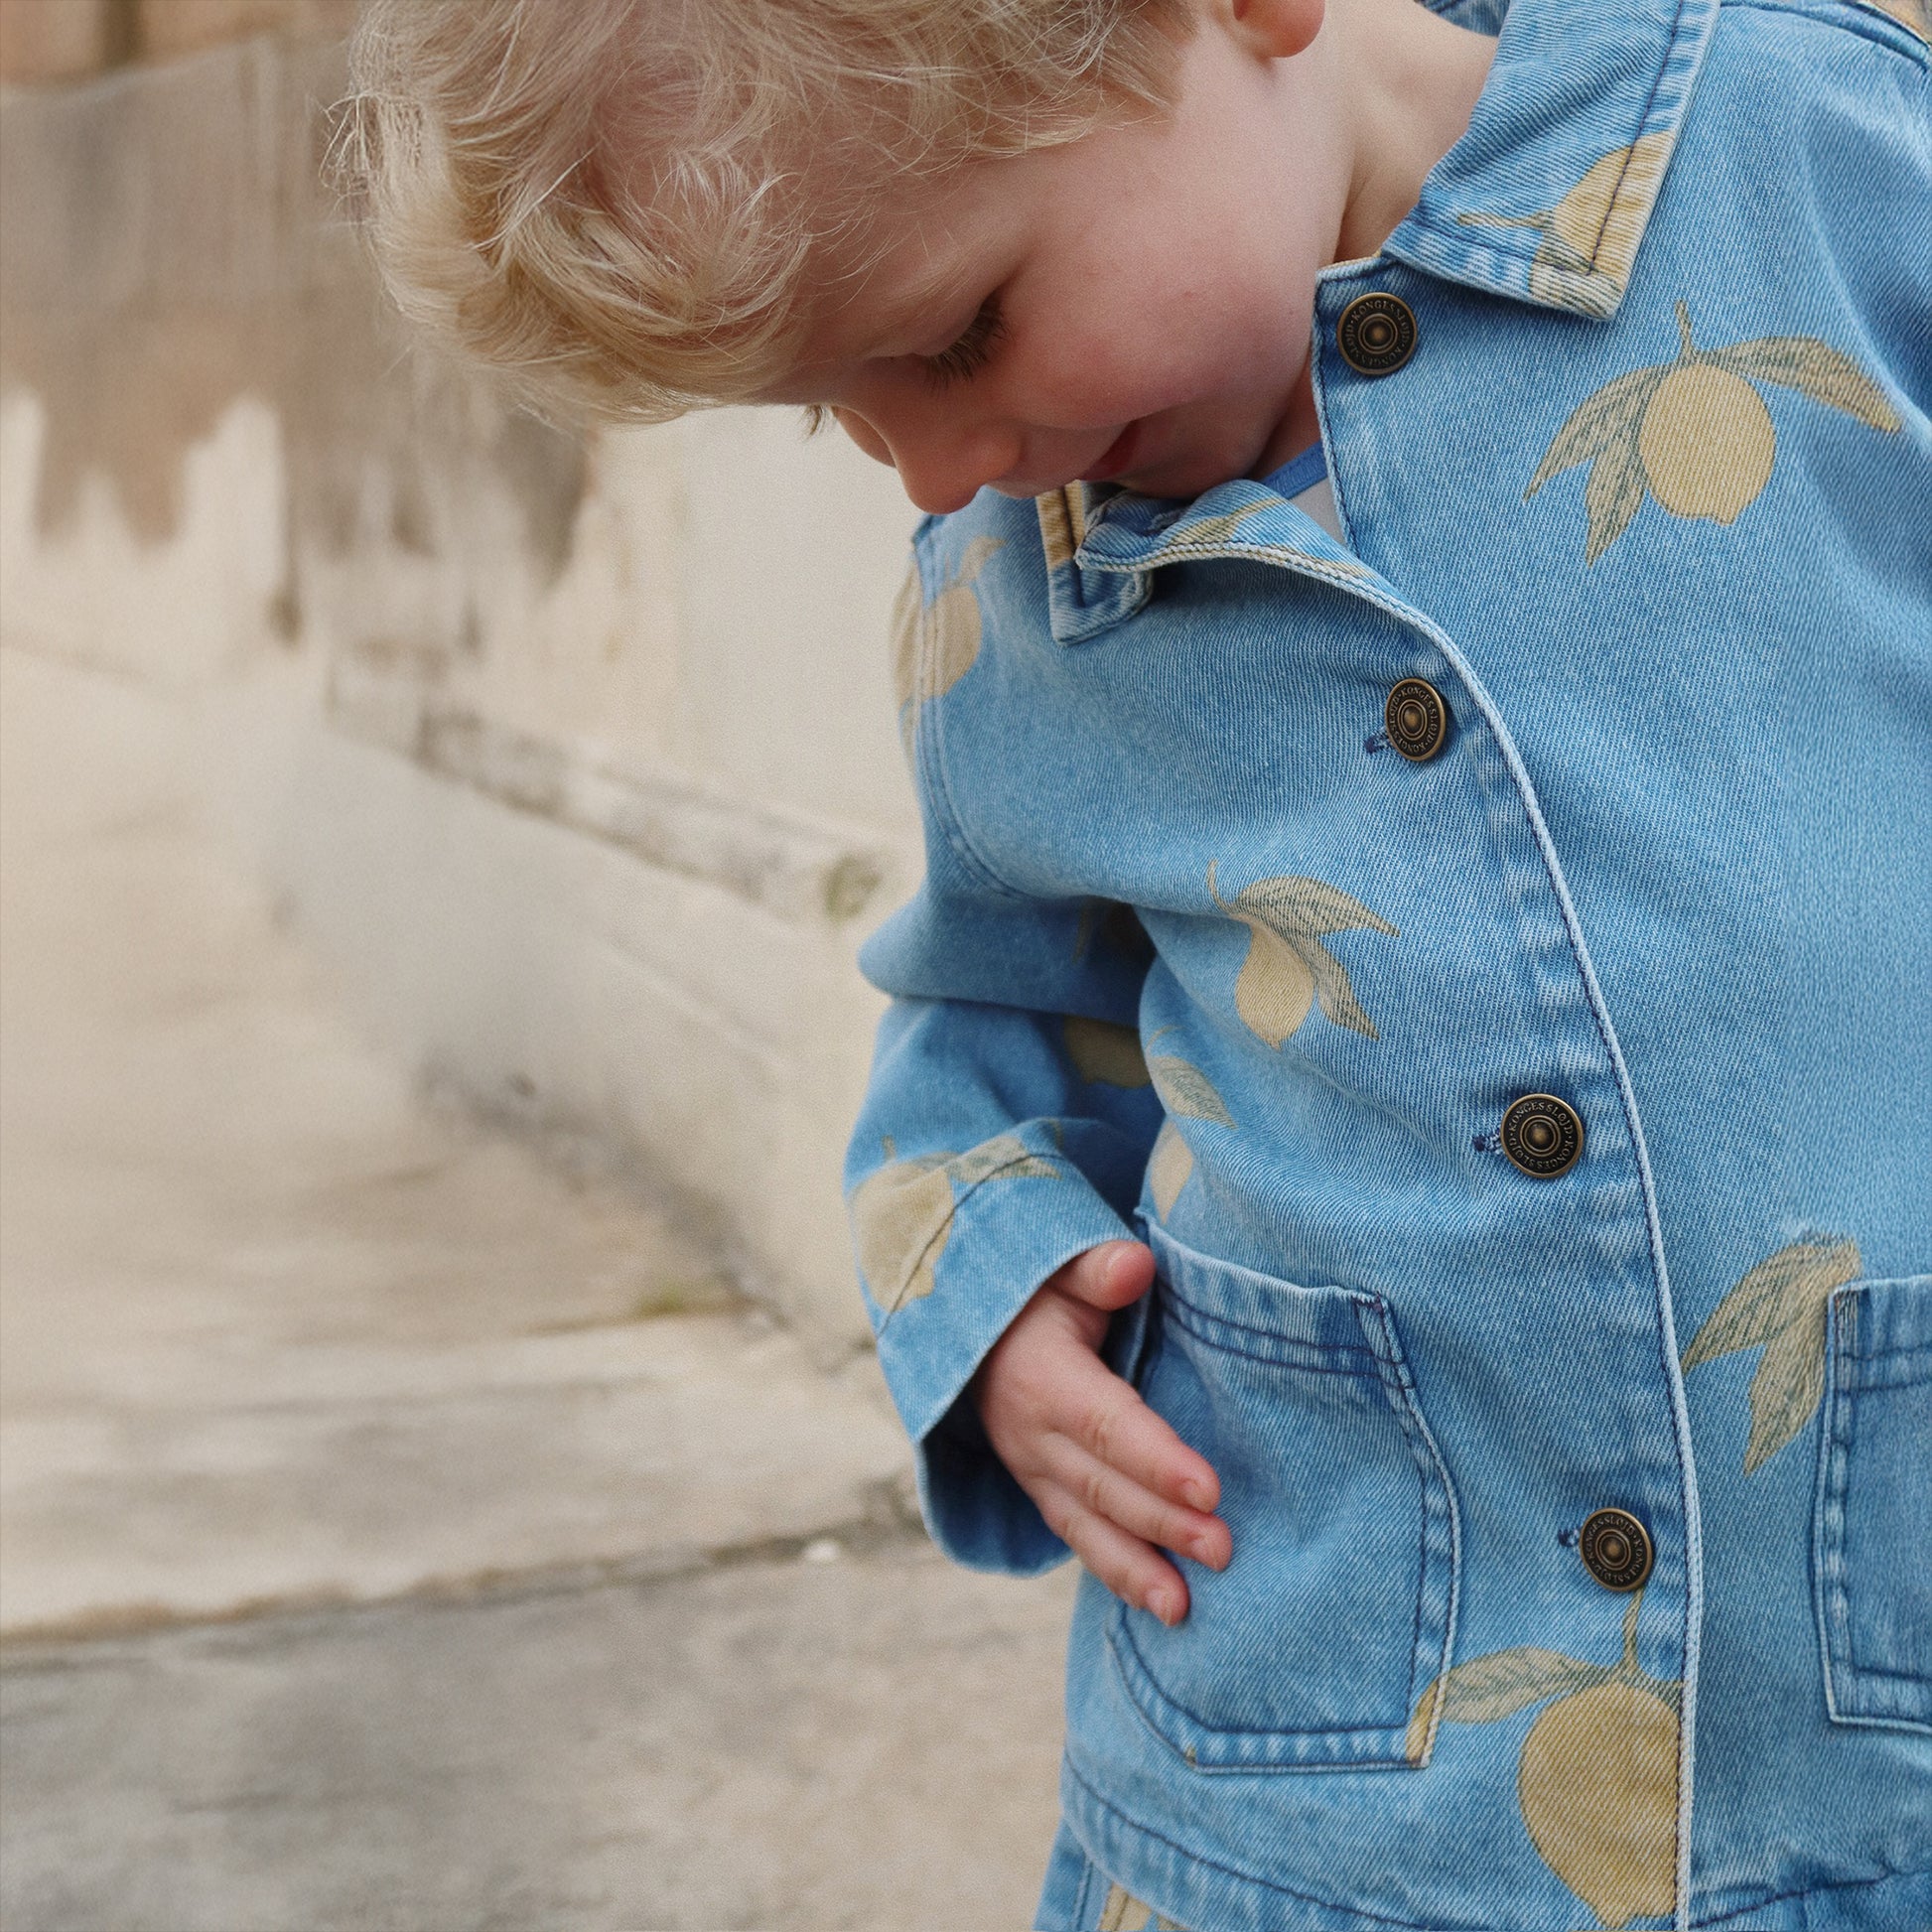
column 1006, row 1240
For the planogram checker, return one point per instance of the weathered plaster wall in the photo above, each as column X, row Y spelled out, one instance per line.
column 576, row 758
column 43, row 41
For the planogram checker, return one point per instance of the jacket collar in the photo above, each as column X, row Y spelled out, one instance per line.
column 1544, row 200
column 1546, row 196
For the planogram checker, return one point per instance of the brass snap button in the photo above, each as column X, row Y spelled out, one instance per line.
column 1542, row 1134
column 1376, row 333
column 1417, row 718
column 1615, row 1548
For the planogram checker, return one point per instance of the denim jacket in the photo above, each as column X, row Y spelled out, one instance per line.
column 1491, row 960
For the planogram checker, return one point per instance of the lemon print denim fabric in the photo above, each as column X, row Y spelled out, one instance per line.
column 1079, row 1898
column 1202, row 956
column 1694, row 433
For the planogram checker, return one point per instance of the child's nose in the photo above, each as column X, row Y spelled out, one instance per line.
column 949, row 480
column 942, row 464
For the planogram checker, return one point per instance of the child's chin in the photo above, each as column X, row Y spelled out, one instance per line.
column 1181, row 480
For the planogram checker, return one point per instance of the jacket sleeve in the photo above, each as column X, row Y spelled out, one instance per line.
column 997, row 1141
column 1007, row 1128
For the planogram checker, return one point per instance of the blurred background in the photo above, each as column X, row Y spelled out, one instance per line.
column 444, row 1481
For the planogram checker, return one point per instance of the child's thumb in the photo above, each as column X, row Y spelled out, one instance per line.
column 1112, row 1274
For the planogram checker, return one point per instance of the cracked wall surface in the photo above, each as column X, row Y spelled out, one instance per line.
column 574, row 757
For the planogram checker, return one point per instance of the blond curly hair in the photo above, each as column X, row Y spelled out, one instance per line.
column 621, row 203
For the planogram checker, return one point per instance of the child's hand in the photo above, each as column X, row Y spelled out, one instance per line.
column 1110, row 1477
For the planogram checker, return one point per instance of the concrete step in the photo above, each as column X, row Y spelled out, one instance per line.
column 397, row 1530
column 866, row 1743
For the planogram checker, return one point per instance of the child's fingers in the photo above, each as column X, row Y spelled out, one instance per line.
column 1105, row 1493
column 1108, row 1419
column 1109, row 1277
column 1133, row 1569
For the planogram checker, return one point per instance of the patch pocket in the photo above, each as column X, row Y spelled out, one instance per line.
column 1312, row 1646
column 1872, row 1521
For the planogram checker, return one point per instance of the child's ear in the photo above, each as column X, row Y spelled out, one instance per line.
column 1275, row 29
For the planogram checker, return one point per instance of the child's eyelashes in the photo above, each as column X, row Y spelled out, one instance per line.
column 972, row 352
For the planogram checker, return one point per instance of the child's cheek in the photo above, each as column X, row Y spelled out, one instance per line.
column 1096, row 378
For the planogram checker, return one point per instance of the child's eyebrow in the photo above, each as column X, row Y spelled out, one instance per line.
column 959, row 281
column 914, row 309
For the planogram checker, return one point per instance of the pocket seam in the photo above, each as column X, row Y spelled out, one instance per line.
column 1384, row 1747
column 1836, row 1434
column 1427, row 1456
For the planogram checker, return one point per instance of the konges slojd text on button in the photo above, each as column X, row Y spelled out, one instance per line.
column 1615, row 1548
column 1543, row 1136
column 1416, row 719
column 1376, row 333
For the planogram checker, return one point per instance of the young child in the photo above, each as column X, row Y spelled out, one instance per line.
column 1403, row 1134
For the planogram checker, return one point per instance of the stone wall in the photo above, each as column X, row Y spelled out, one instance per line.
column 575, row 758
column 44, row 41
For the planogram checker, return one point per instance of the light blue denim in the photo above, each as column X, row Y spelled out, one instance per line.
column 1650, row 507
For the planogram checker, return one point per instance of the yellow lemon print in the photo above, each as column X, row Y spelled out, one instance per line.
column 1288, row 970
column 1187, row 1094
column 1596, row 1780
column 1187, row 1091
column 1598, row 1784
column 1694, row 433
column 1589, row 239
column 1780, row 1307
column 1915, row 16
column 1707, row 443
column 936, row 644
column 1169, row 1167
column 1062, row 517
column 1103, row 1052
column 902, row 1214
column 1122, row 1912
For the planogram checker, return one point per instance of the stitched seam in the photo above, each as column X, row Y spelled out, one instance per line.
column 1301, row 561
column 1808, row 1892
column 1422, row 1562
column 1407, row 1404
column 1277, row 1361
column 1211, row 1319
column 1862, row 1680
column 1821, row 1530
column 1401, row 1401
column 945, row 808
column 1208, row 1321
column 944, row 1231
column 1643, row 119
column 1250, row 1731
column 1518, row 254
column 1248, row 1878
column 1518, row 780
column 1459, row 242
column 1887, row 1676
column 1845, row 1439
column 1914, row 1376
column 1315, row 381
column 1018, row 1161
column 1090, row 1873
column 1260, row 553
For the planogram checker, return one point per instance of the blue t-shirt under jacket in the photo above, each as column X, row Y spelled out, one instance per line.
column 1491, row 960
